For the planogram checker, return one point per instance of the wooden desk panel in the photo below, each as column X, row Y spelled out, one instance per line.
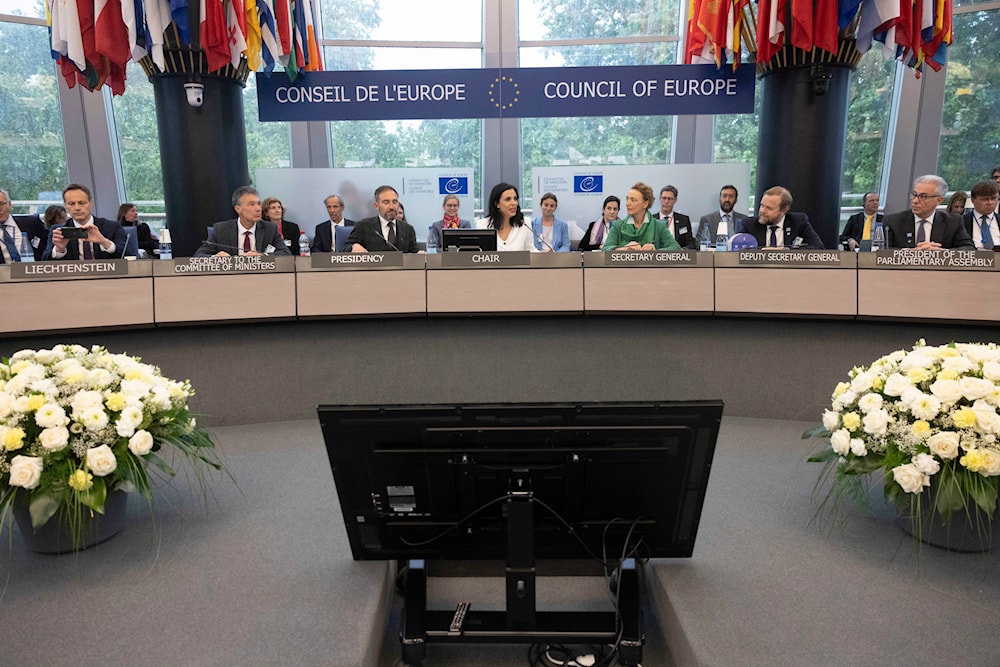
column 332, row 293
column 215, row 298
column 786, row 291
column 648, row 289
column 922, row 294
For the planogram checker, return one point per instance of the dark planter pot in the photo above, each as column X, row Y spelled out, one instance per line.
column 54, row 537
column 970, row 530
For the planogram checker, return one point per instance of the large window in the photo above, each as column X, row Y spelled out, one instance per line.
column 970, row 134
column 33, row 162
column 631, row 32
column 867, row 126
column 138, row 142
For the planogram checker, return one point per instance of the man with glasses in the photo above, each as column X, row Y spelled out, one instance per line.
column 11, row 227
column 981, row 221
column 924, row 227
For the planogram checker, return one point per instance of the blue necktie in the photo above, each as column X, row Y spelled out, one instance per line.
column 8, row 242
column 773, row 243
column 984, row 223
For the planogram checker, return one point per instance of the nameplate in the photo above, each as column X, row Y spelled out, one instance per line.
column 672, row 258
column 357, row 260
column 935, row 259
column 790, row 257
column 222, row 264
column 489, row 259
column 68, row 269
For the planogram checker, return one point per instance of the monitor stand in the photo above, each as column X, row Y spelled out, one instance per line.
column 521, row 623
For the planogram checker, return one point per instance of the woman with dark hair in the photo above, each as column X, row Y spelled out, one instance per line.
column 598, row 230
column 505, row 216
column 55, row 215
column 551, row 233
column 274, row 211
column 639, row 230
column 128, row 216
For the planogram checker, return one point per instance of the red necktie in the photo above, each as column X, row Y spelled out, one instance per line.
column 246, row 242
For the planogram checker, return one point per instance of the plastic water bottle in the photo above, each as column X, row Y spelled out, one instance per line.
column 704, row 238
column 166, row 250
column 24, row 250
column 431, row 245
column 304, row 250
column 722, row 238
column 878, row 237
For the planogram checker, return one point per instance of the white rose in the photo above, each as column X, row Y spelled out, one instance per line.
column 870, row 402
column 845, row 399
column 986, row 417
column 98, row 378
column 862, row 381
column 6, row 404
column 926, row 463
column 94, row 418
column 159, row 398
column 135, row 389
column 975, row 388
column 944, row 444
column 910, row 479
column 101, row 460
column 858, row 447
column 959, row 364
column 948, row 391
column 141, row 443
column 25, row 471
column 84, row 400
column 919, row 358
column 48, row 357
column 991, row 370
column 831, row 420
column 55, row 438
column 909, row 395
column 991, row 463
column 841, row 441
column 875, row 422
column 925, row 407
column 51, row 415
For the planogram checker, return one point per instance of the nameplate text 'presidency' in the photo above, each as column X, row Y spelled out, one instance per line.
column 357, row 260
column 530, row 92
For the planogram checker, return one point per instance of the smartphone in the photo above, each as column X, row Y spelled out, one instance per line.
column 72, row 232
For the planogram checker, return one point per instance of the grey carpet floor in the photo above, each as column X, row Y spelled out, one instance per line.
column 262, row 575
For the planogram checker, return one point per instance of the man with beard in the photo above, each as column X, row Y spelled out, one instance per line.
column 728, row 197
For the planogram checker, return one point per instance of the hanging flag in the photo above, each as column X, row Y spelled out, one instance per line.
column 826, row 31
column 253, row 34
column 697, row 49
column 802, row 24
column 268, row 35
column 110, row 32
column 132, row 17
column 770, row 28
column 179, row 15
column 314, row 59
column 283, row 22
column 67, row 37
column 214, row 39
column 236, row 31
column 874, row 15
column 157, row 20
column 713, row 20
column 846, row 12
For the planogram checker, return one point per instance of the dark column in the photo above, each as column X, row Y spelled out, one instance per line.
column 803, row 130
column 203, row 148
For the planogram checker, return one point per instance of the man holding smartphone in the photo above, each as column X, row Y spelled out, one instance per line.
column 84, row 236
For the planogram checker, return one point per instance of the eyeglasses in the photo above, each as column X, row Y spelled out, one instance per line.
column 923, row 196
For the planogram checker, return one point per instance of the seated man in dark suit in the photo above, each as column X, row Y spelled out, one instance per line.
column 678, row 224
column 384, row 231
column 247, row 234
column 859, row 226
column 776, row 227
column 105, row 238
column 728, row 196
column 11, row 228
column 331, row 234
column 981, row 221
column 924, row 227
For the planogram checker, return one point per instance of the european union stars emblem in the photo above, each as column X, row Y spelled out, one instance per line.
column 496, row 92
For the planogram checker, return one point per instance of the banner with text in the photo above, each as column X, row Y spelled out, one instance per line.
column 652, row 90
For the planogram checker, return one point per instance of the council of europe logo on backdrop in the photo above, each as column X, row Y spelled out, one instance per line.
column 453, row 185
column 587, row 184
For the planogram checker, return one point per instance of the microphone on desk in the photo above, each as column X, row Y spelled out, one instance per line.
column 544, row 242
column 389, row 243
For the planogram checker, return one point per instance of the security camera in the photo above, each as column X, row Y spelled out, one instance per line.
column 820, row 80
column 195, row 93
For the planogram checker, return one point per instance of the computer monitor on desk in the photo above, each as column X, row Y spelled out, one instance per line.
column 436, row 481
column 474, row 240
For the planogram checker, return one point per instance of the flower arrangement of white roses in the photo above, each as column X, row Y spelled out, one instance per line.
column 916, row 416
column 76, row 423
